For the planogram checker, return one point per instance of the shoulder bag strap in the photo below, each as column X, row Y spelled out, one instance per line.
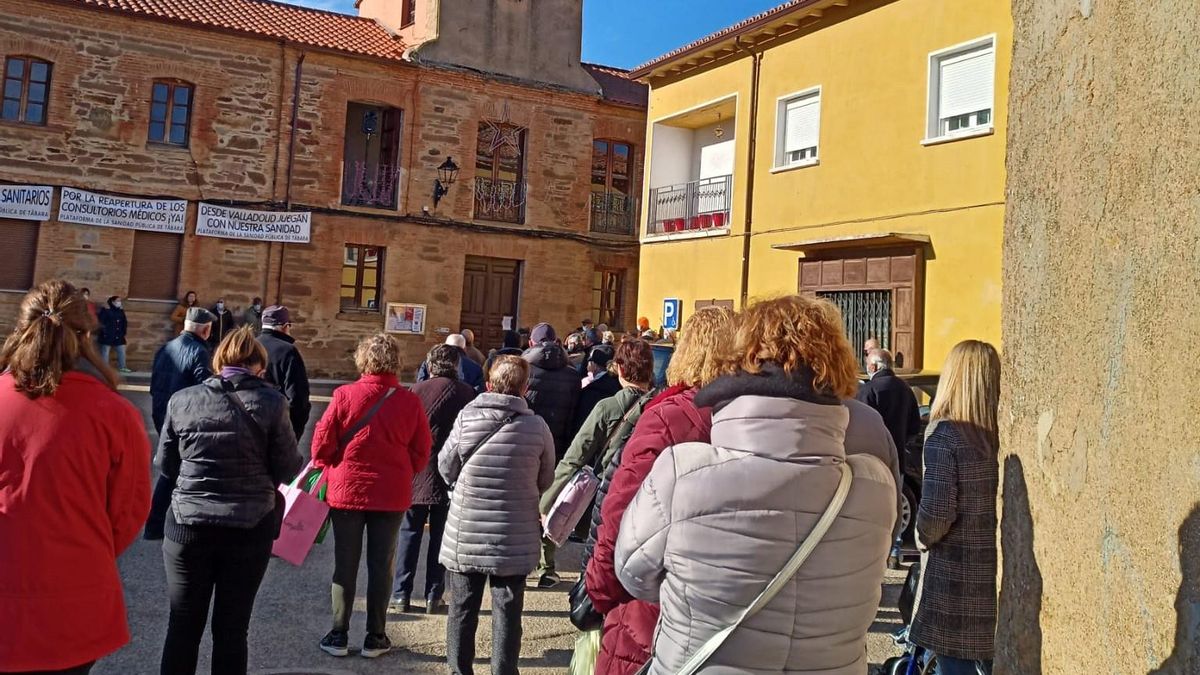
column 467, row 455
column 257, row 430
column 345, row 438
column 697, row 661
column 638, row 404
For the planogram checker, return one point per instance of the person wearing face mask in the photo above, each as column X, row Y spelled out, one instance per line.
column 252, row 316
column 113, row 326
column 223, row 323
column 225, row 444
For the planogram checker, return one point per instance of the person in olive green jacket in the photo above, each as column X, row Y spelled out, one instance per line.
column 594, row 445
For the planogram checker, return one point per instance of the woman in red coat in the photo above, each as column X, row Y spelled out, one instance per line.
column 668, row 420
column 74, row 489
column 373, row 438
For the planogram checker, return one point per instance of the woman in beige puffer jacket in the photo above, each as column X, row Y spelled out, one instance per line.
column 714, row 522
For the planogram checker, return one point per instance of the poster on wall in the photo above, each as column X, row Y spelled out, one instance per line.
column 405, row 319
column 26, row 202
column 132, row 213
column 292, row 227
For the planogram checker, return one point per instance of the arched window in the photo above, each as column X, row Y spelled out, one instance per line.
column 26, row 89
column 170, row 112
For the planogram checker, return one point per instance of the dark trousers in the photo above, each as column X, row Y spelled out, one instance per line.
column 381, row 528
column 408, row 553
column 77, row 670
column 228, row 576
column 466, row 599
column 951, row 666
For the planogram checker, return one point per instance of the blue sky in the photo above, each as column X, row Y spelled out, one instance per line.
column 626, row 33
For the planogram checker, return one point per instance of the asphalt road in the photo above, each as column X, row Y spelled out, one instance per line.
column 292, row 613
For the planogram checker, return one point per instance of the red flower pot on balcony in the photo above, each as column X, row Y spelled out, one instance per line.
column 718, row 220
column 706, row 221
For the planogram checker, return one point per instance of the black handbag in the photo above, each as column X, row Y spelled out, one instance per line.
column 583, row 614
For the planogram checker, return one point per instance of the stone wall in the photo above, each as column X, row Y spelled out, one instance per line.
column 104, row 64
column 1101, row 495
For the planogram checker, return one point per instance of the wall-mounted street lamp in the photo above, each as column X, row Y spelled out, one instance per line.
column 447, row 174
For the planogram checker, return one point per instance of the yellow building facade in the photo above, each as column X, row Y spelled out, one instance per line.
column 852, row 149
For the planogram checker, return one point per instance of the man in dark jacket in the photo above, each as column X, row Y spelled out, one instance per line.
column 285, row 366
column 223, row 323
column 443, row 397
column 181, row 363
column 553, row 385
column 603, row 385
column 468, row 371
column 889, row 395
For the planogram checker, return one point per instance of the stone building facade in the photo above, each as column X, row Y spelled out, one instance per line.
column 1100, row 514
column 290, row 109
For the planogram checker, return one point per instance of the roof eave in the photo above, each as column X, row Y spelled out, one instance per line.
column 724, row 42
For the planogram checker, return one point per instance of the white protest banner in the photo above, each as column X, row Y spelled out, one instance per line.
column 223, row 221
column 132, row 213
column 26, row 202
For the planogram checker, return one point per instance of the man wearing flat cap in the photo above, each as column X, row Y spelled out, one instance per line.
column 179, row 364
column 285, row 367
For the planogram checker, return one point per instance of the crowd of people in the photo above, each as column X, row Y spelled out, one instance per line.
column 742, row 519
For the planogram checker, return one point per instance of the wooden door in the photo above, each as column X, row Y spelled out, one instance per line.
column 491, row 287
column 901, row 273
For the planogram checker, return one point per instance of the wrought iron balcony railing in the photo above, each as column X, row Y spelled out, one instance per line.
column 696, row 205
column 371, row 184
column 614, row 213
column 500, row 200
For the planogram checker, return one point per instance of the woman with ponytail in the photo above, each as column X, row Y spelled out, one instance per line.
column 74, row 489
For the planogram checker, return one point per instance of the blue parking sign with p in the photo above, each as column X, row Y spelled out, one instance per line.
column 671, row 310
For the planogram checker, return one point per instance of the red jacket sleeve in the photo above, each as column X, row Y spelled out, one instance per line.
column 328, row 429
column 649, row 439
column 422, row 438
column 129, row 481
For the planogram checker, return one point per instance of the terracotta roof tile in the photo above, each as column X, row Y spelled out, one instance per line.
column 274, row 20
column 617, row 86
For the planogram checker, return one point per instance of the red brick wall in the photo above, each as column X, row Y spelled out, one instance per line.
column 104, row 64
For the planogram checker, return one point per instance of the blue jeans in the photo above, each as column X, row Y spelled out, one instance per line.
column 408, row 553
column 104, row 349
column 947, row 665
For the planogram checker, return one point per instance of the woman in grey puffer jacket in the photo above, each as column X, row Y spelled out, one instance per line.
column 714, row 522
column 499, row 458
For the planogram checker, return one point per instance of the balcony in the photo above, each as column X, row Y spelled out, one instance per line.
column 370, row 184
column 500, row 200
column 696, row 206
column 614, row 213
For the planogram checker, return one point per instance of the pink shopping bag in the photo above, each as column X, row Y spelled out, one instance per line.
column 303, row 517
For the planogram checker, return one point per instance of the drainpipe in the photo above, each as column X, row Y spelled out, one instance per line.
column 287, row 195
column 756, row 72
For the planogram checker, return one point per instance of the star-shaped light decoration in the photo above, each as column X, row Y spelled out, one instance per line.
column 504, row 136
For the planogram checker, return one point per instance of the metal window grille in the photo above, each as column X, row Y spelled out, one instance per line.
column 868, row 314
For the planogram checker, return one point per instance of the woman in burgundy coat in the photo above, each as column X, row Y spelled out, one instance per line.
column 668, row 420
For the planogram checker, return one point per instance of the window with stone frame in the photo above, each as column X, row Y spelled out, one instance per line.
column 371, row 156
column 26, row 90
column 154, row 271
column 608, row 293
column 362, row 278
column 170, row 113
column 500, row 172
column 18, row 240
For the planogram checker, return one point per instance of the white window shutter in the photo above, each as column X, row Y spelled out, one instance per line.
column 967, row 83
column 802, row 124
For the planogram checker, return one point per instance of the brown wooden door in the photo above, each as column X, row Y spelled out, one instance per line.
column 491, row 287
column 901, row 273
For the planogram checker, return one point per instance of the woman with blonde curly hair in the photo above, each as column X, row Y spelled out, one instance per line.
column 740, row 505
column 671, row 418
column 372, row 440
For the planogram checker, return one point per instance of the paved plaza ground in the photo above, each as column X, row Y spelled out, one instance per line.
column 292, row 613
